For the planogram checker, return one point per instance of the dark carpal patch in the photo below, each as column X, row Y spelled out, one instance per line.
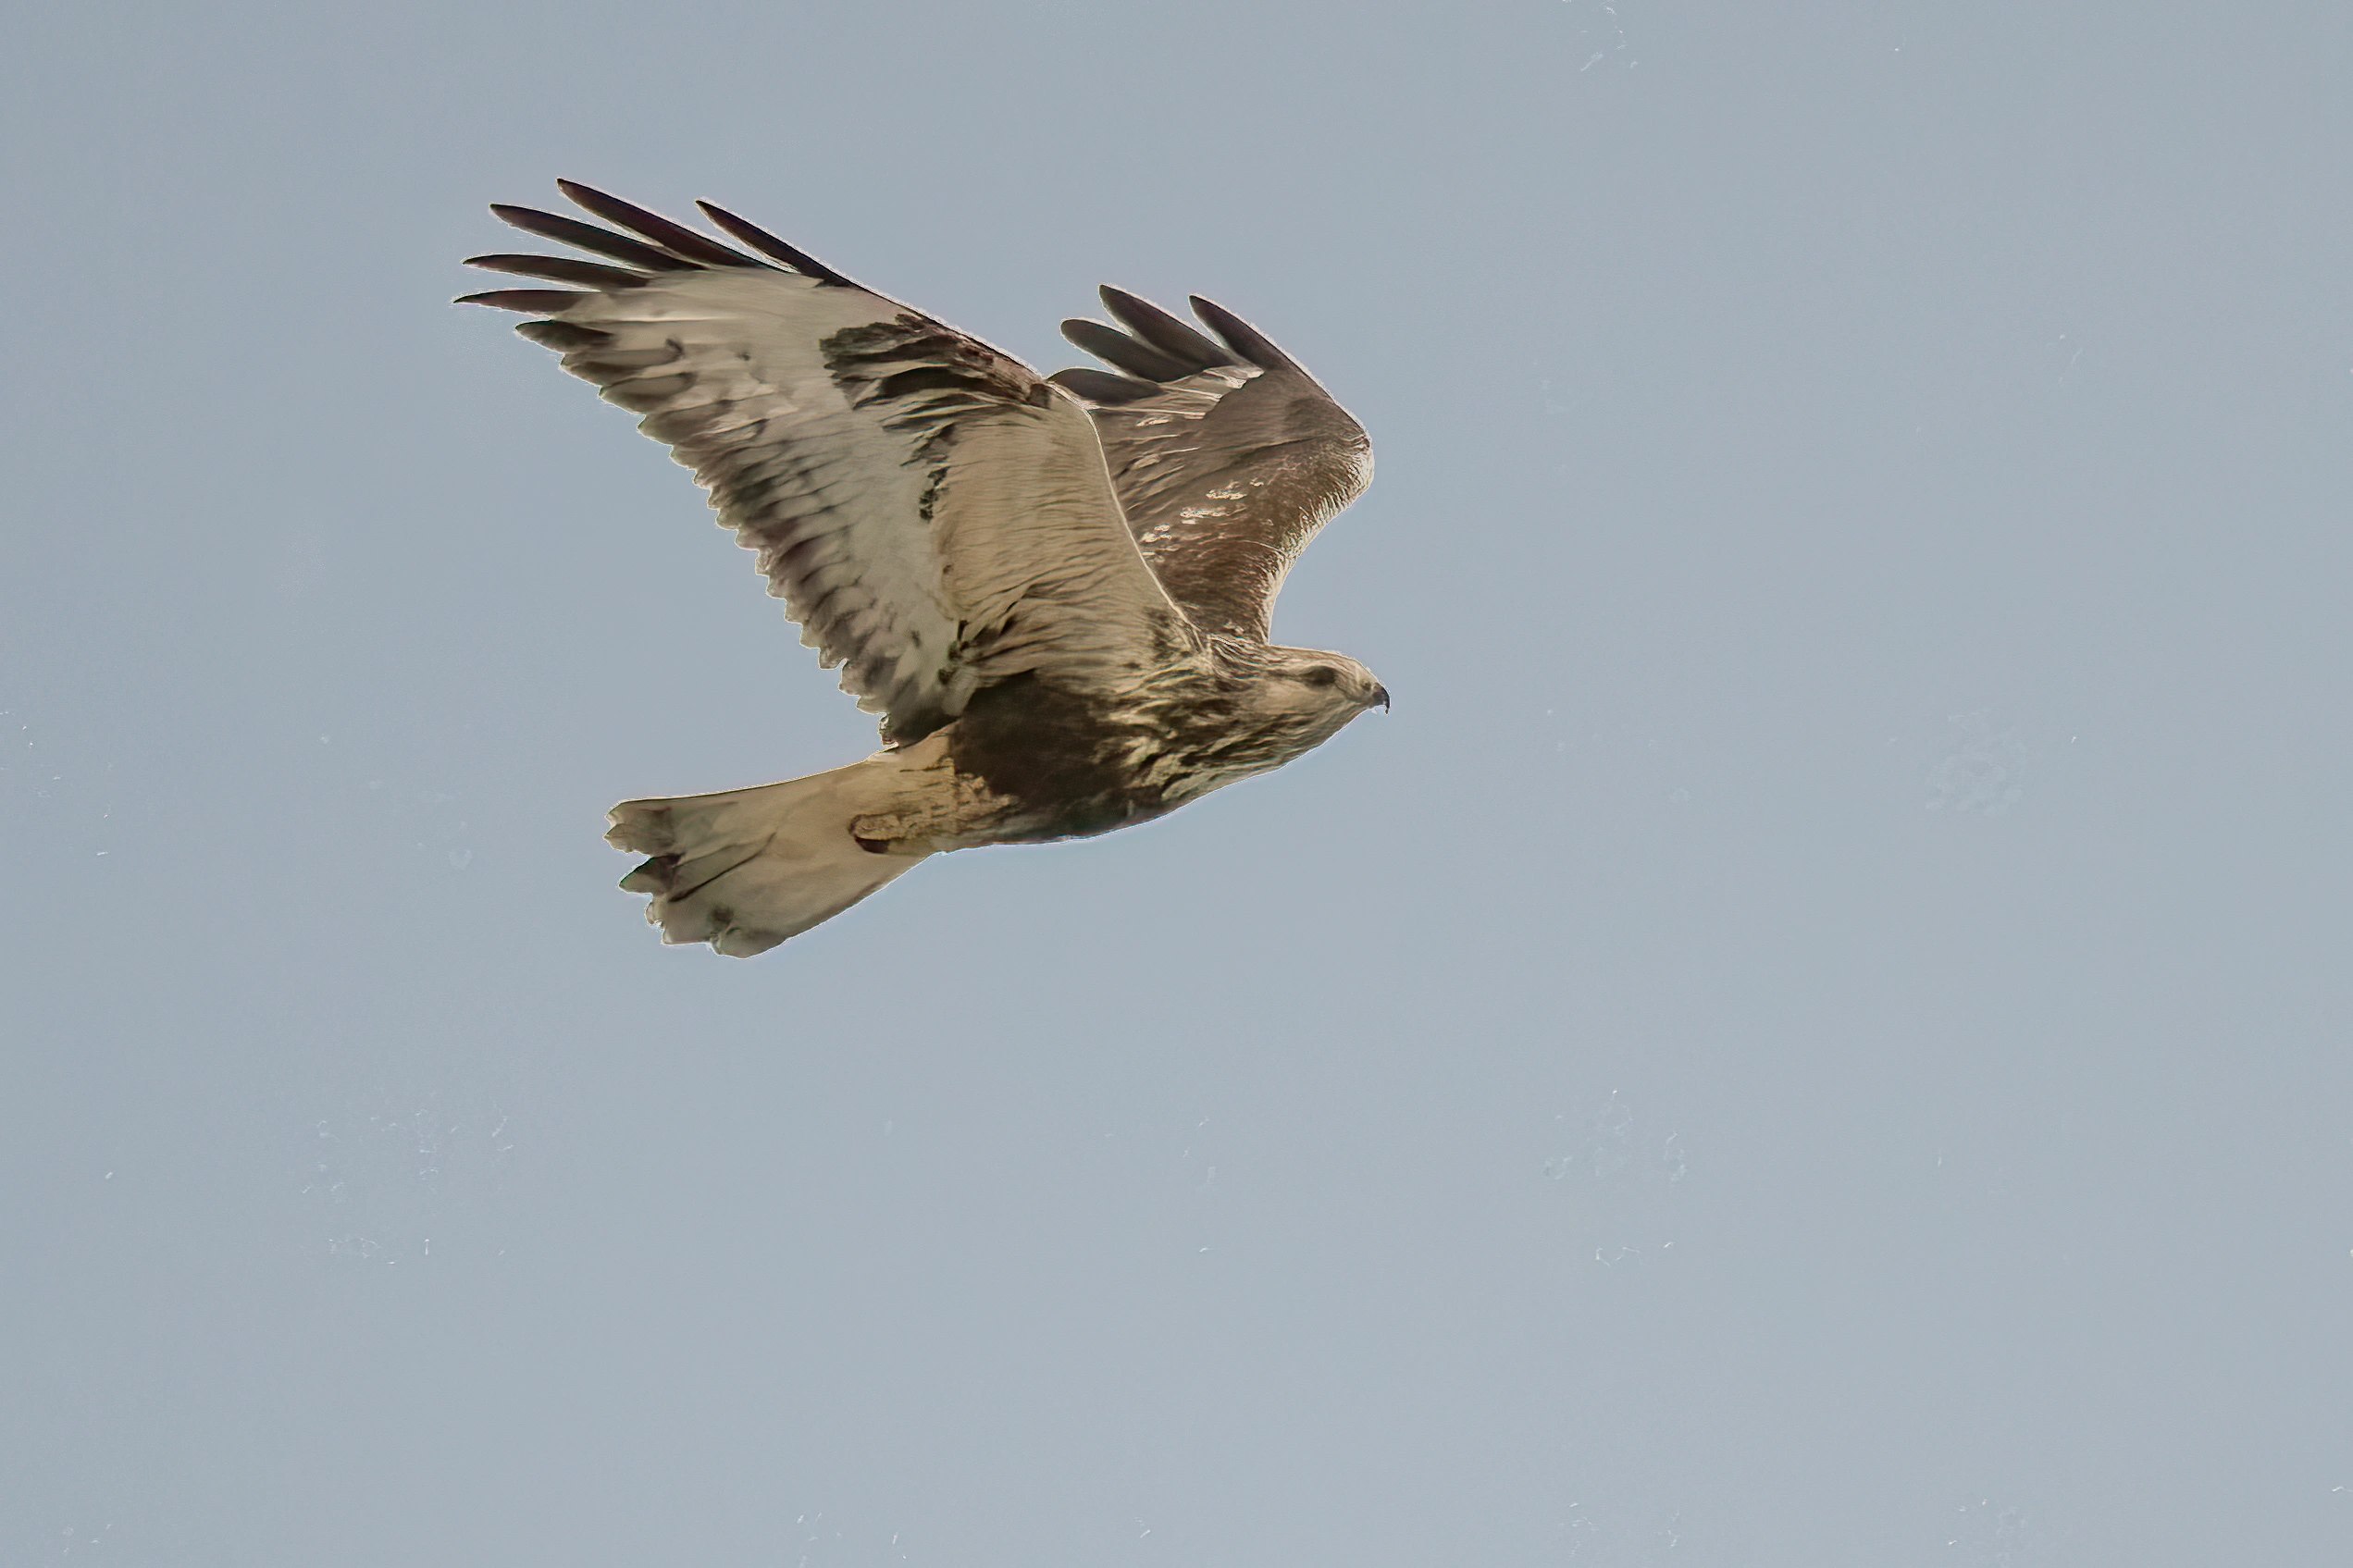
column 922, row 377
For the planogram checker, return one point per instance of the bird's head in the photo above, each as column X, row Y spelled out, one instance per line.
column 1316, row 692
column 1272, row 705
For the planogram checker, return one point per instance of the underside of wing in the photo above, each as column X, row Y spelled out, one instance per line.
column 1227, row 456
column 935, row 515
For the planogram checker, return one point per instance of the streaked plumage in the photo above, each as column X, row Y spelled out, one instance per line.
column 1056, row 593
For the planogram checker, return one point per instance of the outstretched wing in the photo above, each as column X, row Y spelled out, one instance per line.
column 935, row 515
column 1228, row 457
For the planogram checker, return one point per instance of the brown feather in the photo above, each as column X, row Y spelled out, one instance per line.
column 679, row 242
column 761, row 241
column 1117, row 347
column 589, row 238
column 538, row 301
column 1160, row 329
column 562, row 269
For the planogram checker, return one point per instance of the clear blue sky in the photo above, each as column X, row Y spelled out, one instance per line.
column 1815, row 1035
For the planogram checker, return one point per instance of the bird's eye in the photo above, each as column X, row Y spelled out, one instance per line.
column 1321, row 675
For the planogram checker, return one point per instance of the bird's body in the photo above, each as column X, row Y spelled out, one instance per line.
column 1055, row 592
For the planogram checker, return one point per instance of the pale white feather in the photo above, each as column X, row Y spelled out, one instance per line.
column 929, row 541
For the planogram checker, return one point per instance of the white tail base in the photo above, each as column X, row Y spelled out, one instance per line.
column 745, row 868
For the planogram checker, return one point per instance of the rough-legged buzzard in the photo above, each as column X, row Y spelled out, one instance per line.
column 1056, row 592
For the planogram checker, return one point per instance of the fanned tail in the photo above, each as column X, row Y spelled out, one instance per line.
column 745, row 868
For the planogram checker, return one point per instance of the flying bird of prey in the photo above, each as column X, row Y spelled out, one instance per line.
column 1054, row 591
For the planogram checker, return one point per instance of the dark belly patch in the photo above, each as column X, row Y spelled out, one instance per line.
column 1056, row 756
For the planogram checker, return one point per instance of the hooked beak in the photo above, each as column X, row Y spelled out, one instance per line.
column 1380, row 694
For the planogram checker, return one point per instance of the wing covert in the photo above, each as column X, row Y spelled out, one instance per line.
column 933, row 515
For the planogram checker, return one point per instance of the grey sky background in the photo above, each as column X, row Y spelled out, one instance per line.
column 1813, row 1035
